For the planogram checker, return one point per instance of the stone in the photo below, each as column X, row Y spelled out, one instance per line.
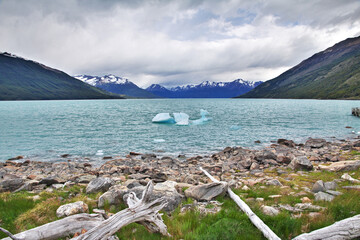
column 16, row 158
column 315, row 143
column 334, row 193
column 245, row 188
column 259, row 199
column 11, row 184
column 270, row 211
column 254, row 166
column 71, row 209
column 318, row 187
column 321, row 196
column 301, row 163
column 131, row 183
column 206, row 192
column 49, row 180
column 341, row 166
column 100, row 184
column 305, row 200
column 330, row 185
column 275, row 196
column 265, row 154
column 273, row 182
column 138, row 176
column 57, row 186
column 285, row 142
column 86, row 178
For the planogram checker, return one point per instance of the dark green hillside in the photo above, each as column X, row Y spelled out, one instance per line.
column 22, row 79
column 330, row 74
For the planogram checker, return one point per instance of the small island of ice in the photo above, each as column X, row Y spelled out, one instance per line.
column 181, row 118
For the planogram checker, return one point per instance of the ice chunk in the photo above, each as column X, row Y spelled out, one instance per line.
column 203, row 118
column 235, row 127
column 99, row 153
column 163, row 118
column 181, row 119
column 159, row 140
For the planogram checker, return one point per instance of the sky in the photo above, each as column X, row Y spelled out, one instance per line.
column 175, row 42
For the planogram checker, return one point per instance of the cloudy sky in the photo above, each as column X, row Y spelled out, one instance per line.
column 175, row 42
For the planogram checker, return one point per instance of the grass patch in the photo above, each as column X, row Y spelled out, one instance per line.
column 11, row 206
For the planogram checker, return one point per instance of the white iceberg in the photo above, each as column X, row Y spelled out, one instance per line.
column 163, row 118
column 159, row 140
column 181, row 119
column 203, row 118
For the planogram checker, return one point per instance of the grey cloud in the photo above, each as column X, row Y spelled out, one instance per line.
column 173, row 42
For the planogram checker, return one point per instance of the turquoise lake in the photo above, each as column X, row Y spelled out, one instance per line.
column 91, row 129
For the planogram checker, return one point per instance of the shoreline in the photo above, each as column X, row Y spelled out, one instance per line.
column 231, row 161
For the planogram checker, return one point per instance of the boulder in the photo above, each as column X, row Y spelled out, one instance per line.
column 330, row 185
column 318, row 187
column 321, row 196
column 285, row 142
column 113, row 196
column 301, row 163
column 341, row 166
column 11, row 184
column 49, row 180
column 206, row 192
column 100, row 184
column 270, row 211
column 86, row 178
column 265, row 154
column 315, row 143
column 273, row 182
column 71, row 209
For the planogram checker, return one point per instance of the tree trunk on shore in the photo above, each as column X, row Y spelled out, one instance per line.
column 266, row 231
column 348, row 228
column 142, row 211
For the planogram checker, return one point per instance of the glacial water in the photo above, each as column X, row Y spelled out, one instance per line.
column 92, row 129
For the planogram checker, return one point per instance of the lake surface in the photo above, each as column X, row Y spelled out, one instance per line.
column 43, row 130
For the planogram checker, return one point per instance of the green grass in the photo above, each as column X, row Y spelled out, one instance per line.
column 11, row 207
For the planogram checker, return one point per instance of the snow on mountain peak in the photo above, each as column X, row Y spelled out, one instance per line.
column 95, row 80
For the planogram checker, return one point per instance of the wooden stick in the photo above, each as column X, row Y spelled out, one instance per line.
column 9, row 234
column 266, row 231
column 348, row 228
column 61, row 228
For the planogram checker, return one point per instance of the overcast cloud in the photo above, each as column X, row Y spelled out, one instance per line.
column 175, row 42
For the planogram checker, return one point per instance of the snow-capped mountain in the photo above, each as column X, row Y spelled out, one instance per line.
column 205, row 89
column 114, row 84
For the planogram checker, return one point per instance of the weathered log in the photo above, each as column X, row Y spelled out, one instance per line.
column 348, row 228
column 140, row 211
column 61, row 228
column 266, row 231
column 9, row 234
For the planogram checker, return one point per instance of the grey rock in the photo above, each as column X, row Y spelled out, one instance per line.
column 99, row 184
column 285, row 142
column 49, row 180
column 274, row 182
column 71, row 209
column 262, row 155
column 206, row 192
column 321, row 196
column 335, row 193
column 318, row 187
column 138, row 176
column 86, row 178
column 11, row 184
column 330, row 185
column 301, row 163
column 270, row 211
column 315, row 143
column 131, row 183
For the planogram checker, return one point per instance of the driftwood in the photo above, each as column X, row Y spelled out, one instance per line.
column 61, row 228
column 266, row 231
column 142, row 211
column 348, row 228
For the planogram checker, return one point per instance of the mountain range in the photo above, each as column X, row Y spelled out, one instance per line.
column 205, row 89
column 114, row 84
column 22, row 79
column 331, row 74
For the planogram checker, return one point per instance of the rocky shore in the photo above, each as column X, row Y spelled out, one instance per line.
column 180, row 178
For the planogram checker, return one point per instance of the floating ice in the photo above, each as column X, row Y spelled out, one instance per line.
column 181, row 119
column 163, row 118
column 159, row 140
column 235, row 127
column 99, row 153
column 203, row 118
